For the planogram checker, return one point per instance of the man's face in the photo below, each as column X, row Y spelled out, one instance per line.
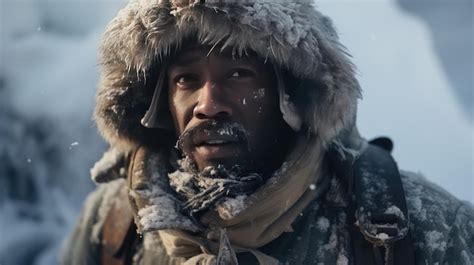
column 233, row 106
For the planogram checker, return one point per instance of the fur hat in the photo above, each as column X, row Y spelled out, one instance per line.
column 291, row 34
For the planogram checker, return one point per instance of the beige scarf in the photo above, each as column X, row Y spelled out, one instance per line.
column 269, row 212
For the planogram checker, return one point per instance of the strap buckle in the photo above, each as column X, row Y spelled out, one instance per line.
column 383, row 228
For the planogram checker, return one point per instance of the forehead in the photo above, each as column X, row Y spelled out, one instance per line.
column 199, row 53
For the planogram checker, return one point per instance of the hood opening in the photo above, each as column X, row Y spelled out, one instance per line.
column 290, row 34
column 159, row 116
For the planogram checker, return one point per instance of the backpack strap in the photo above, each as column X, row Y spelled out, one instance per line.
column 119, row 236
column 119, row 232
column 378, row 216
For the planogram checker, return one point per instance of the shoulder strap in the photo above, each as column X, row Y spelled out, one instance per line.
column 119, row 236
column 378, row 216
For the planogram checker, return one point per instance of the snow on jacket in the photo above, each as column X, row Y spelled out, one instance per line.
column 441, row 225
column 294, row 36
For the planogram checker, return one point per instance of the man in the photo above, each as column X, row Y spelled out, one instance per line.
column 233, row 141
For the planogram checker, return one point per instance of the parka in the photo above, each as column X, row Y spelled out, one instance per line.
column 294, row 36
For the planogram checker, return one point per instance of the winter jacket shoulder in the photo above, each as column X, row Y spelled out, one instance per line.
column 84, row 243
column 442, row 226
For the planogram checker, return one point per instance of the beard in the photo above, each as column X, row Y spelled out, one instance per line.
column 203, row 190
column 189, row 139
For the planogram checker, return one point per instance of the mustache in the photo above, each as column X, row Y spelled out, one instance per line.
column 191, row 136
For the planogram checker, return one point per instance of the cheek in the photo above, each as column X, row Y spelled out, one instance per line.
column 181, row 111
column 255, row 101
column 264, row 103
column 262, row 114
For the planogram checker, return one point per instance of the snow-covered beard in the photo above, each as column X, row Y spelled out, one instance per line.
column 204, row 190
column 187, row 140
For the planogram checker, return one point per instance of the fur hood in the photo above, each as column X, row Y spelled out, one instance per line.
column 290, row 34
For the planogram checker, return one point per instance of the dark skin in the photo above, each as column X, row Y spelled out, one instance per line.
column 213, row 86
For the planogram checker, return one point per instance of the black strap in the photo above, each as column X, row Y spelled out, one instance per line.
column 378, row 217
column 381, row 209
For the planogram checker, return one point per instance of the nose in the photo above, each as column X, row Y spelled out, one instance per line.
column 212, row 103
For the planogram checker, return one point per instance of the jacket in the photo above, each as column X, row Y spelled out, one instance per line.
column 442, row 227
column 294, row 36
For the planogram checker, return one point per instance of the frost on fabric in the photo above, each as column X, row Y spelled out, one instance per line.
column 344, row 241
column 372, row 229
column 426, row 202
column 229, row 208
column 374, row 188
column 429, row 209
column 382, row 236
column 376, row 198
column 162, row 214
column 435, row 241
column 336, row 240
column 335, row 194
column 395, row 211
column 342, row 259
column 278, row 16
column 162, row 208
column 109, row 192
column 332, row 244
column 109, row 167
column 322, row 224
column 418, row 206
column 180, row 180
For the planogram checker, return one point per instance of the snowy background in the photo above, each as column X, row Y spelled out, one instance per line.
column 415, row 63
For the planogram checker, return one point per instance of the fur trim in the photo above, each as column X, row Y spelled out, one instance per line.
column 290, row 34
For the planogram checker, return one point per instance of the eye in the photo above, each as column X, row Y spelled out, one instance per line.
column 241, row 73
column 186, row 80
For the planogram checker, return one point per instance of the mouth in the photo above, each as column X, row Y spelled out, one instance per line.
column 214, row 142
column 218, row 148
